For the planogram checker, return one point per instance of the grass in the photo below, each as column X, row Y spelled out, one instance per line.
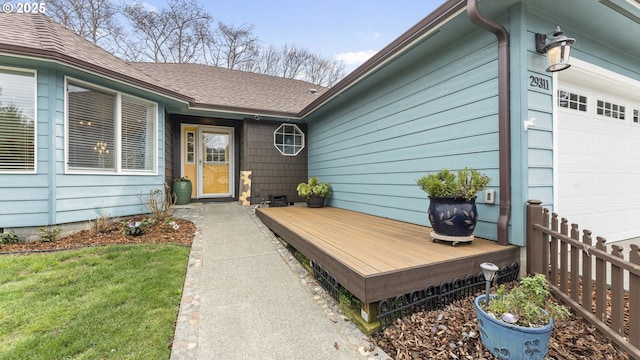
column 114, row 302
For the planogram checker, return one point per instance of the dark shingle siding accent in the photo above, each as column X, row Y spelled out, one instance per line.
column 272, row 172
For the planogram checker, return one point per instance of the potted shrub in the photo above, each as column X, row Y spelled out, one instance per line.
column 314, row 192
column 517, row 323
column 182, row 190
column 452, row 202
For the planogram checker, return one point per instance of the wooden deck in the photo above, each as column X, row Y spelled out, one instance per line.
column 377, row 258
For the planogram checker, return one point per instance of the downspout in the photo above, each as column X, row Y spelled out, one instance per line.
column 504, row 128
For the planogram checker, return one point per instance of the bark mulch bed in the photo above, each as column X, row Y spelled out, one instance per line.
column 452, row 333
column 113, row 234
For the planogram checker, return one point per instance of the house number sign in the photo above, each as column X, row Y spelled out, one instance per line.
column 539, row 82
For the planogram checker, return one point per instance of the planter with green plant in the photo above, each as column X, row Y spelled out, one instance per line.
column 314, row 192
column 452, row 202
column 517, row 322
column 182, row 189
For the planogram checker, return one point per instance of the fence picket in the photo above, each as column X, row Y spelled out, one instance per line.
column 564, row 258
column 634, row 298
column 554, row 249
column 601, row 281
column 557, row 254
column 575, row 264
column 587, row 294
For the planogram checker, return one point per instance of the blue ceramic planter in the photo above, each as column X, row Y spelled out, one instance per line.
column 453, row 216
column 508, row 341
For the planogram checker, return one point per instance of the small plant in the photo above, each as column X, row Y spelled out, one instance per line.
column 527, row 304
column 170, row 225
column 135, row 228
column 446, row 184
column 181, row 179
column 49, row 234
column 101, row 224
column 9, row 238
column 313, row 187
column 348, row 299
column 160, row 204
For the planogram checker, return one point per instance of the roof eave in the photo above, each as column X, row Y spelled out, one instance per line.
column 247, row 111
column 87, row 66
column 427, row 25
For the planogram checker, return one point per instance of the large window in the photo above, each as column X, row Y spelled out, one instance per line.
column 109, row 132
column 17, row 121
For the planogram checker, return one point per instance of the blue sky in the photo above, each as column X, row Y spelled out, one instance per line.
column 351, row 30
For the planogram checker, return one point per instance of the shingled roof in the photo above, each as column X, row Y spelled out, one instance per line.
column 202, row 86
column 220, row 88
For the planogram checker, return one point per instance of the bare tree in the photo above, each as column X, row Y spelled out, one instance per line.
column 173, row 34
column 233, row 47
column 94, row 20
column 299, row 63
column 183, row 32
column 322, row 71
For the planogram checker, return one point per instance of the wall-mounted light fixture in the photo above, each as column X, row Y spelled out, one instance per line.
column 557, row 49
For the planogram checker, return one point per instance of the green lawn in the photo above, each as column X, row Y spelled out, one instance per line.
column 115, row 302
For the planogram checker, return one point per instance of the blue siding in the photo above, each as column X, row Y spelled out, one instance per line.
column 406, row 121
column 539, row 141
column 52, row 197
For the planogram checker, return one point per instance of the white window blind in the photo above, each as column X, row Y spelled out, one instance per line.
column 138, row 130
column 17, row 121
column 104, row 126
column 91, row 128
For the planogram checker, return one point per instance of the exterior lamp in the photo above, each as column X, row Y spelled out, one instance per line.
column 489, row 271
column 557, row 49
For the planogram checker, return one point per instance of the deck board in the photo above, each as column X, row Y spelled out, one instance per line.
column 377, row 258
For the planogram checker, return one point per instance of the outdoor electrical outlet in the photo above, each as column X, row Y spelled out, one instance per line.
column 489, row 196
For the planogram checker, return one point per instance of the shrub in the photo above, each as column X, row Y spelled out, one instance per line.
column 447, row 184
column 101, row 223
column 9, row 238
column 49, row 234
column 160, row 204
column 530, row 301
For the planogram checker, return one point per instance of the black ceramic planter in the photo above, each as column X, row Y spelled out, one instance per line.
column 453, row 216
column 315, row 201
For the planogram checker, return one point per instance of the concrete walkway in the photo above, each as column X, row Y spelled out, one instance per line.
column 246, row 297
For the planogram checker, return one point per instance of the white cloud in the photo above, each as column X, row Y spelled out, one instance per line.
column 354, row 57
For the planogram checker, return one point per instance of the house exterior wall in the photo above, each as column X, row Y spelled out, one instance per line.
column 52, row 196
column 421, row 113
column 272, row 173
column 537, row 171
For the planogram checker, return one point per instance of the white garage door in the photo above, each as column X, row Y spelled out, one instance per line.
column 598, row 152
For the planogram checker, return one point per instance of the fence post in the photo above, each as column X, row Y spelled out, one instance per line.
column 534, row 238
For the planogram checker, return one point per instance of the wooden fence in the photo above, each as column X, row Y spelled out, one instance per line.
column 597, row 293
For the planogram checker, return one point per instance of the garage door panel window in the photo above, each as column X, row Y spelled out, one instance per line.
column 572, row 100
column 636, row 116
column 108, row 132
column 610, row 110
